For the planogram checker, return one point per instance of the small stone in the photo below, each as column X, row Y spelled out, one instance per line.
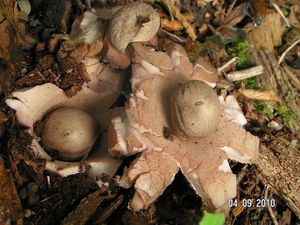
column 275, row 125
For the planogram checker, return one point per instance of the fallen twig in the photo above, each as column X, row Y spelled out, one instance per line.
column 167, row 3
column 281, row 14
column 269, row 208
column 287, row 50
column 173, row 36
column 223, row 67
column 244, row 74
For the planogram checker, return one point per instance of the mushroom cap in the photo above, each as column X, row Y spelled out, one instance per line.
column 195, row 109
column 71, row 132
column 134, row 22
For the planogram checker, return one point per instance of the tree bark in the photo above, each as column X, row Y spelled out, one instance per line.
column 279, row 164
column 283, row 81
column 279, row 167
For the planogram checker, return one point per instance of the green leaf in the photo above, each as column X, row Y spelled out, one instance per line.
column 212, row 219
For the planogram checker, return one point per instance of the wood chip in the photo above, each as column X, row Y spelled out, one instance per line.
column 259, row 95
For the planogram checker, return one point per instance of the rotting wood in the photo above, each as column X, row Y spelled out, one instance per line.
column 86, row 208
column 269, row 34
column 279, row 167
column 283, row 81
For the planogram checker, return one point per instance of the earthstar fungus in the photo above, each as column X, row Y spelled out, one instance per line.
column 142, row 126
column 95, row 100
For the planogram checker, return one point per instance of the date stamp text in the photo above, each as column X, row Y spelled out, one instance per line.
column 253, row 203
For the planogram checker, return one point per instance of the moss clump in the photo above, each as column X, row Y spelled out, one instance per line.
column 264, row 108
column 284, row 113
column 251, row 83
column 241, row 50
column 281, row 112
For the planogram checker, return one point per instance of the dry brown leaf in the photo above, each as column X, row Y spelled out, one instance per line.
column 286, row 217
column 171, row 25
column 178, row 15
column 11, row 43
column 176, row 25
column 259, row 95
column 8, row 9
column 234, row 16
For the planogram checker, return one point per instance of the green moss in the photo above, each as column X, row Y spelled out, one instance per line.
column 241, row 50
column 251, row 83
column 264, row 108
column 284, row 113
column 281, row 112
